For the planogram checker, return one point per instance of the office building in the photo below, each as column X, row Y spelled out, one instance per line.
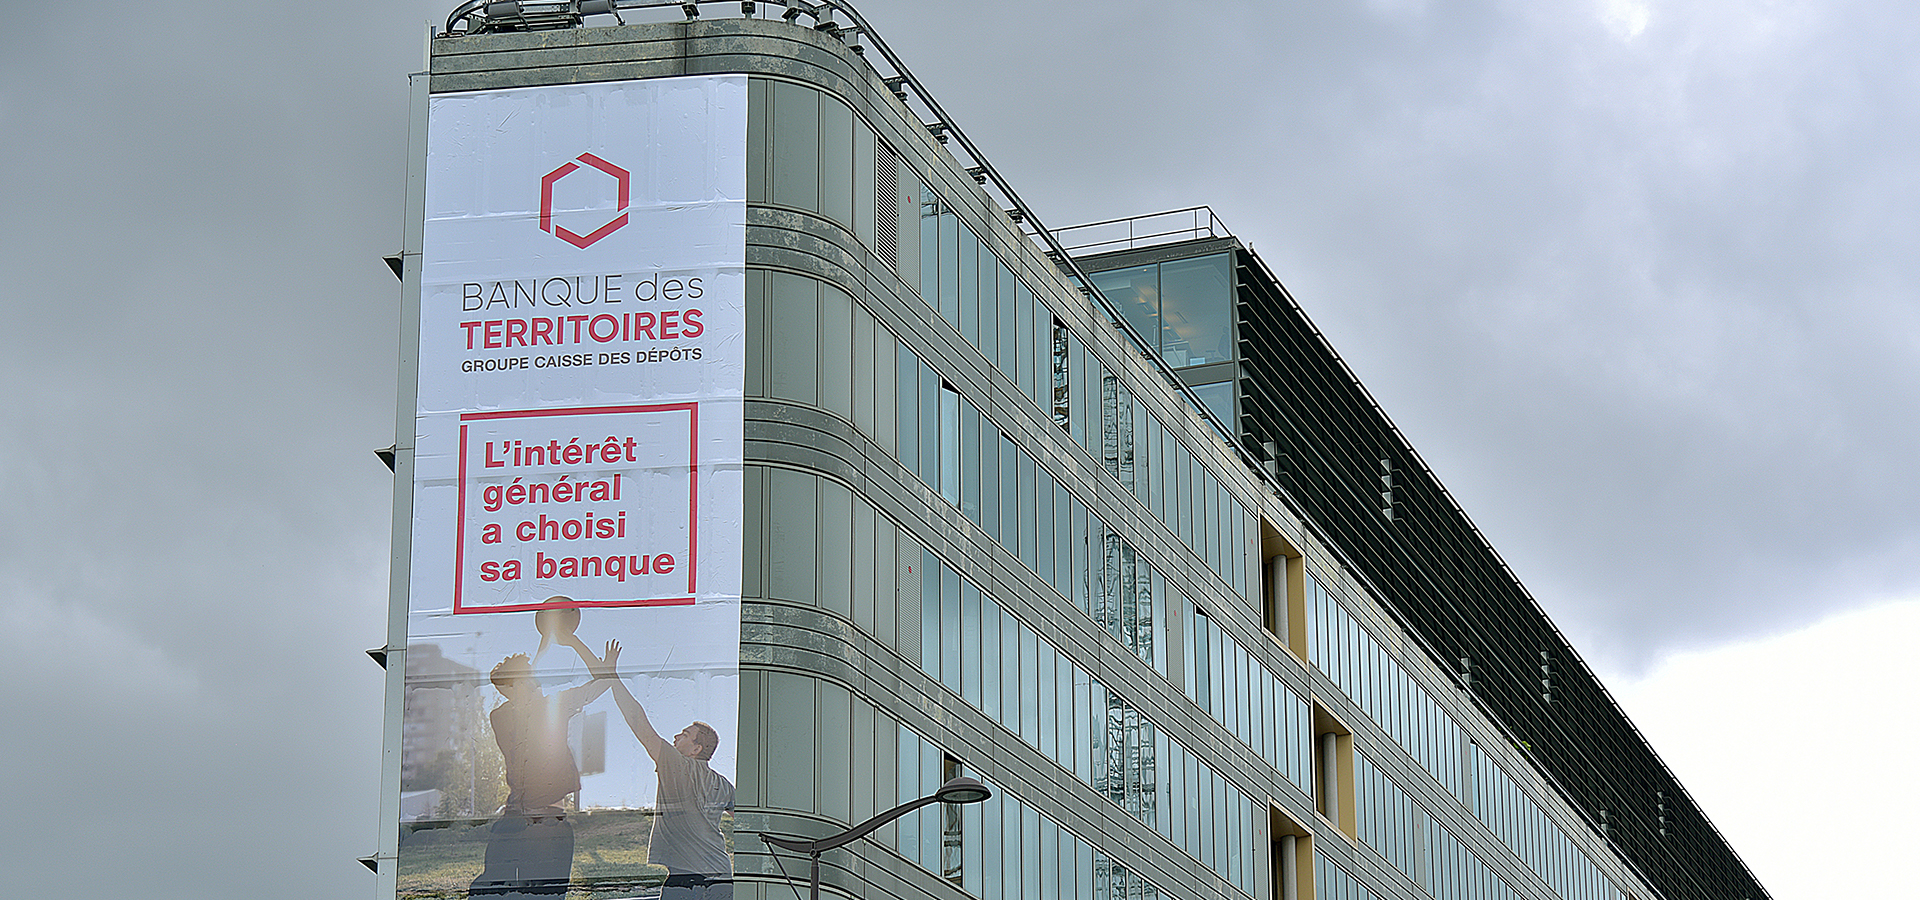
column 1098, row 518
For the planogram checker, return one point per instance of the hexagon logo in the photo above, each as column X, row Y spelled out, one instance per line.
column 623, row 180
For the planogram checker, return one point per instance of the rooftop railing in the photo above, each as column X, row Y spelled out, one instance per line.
column 1132, row 232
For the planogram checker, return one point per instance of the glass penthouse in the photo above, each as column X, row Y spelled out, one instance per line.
column 1109, row 527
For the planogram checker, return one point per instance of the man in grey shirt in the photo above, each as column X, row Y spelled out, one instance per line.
column 688, row 837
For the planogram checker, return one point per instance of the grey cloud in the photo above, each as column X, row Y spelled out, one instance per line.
column 1644, row 305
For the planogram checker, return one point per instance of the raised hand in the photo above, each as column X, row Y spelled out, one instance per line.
column 609, row 663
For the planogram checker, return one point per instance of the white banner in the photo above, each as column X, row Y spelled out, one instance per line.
column 577, row 474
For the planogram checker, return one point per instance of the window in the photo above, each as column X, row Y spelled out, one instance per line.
column 1283, row 595
column 949, row 437
column 951, row 833
column 1333, row 771
column 1062, row 412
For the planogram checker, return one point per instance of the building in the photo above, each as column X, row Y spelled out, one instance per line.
column 1109, row 527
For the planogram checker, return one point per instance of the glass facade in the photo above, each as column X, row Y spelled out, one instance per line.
column 985, row 535
column 1063, row 556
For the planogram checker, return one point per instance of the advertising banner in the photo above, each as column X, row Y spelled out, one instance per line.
column 572, row 674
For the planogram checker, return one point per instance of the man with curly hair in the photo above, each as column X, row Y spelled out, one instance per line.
column 530, row 847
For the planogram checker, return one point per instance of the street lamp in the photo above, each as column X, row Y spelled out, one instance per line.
column 955, row 792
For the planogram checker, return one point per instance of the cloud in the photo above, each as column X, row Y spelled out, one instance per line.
column 1639, row 303
column 1817, row 718
column 1644, row 304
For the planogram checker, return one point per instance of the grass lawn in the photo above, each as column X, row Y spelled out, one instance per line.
column 440, row 859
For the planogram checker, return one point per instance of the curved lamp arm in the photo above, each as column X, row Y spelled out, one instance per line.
column 957, row 791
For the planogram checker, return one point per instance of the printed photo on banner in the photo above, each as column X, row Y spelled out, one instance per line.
column 572, row 662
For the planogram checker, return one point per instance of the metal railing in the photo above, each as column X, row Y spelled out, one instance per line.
column 1132, row 232
column 493, row 16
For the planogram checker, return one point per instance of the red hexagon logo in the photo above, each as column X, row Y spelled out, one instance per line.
column 622, row 178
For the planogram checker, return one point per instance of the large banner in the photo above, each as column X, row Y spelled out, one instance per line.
column 572, row 676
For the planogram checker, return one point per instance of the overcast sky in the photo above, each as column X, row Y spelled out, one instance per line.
column 1638, row 279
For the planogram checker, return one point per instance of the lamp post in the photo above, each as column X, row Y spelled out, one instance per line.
column 955, row 792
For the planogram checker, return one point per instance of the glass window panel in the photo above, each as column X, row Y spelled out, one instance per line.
column 930, row 424
column 912, row 192
column 1076, row 381
column 1095, row 376
column 793, row 363
column 1025, row 352
column 1044, row 694
column 886, row 412
column 836, row 351
column 969, row 292
column 950, row 626
column 1067, row 739
column 1030, row 666
column 1062, row 530
column 972, row 850
column 950, row 444
column 1009, row 494
column 950, row 229
column 796, row 145
column 760, row 338
column 793, row 530
column 864, row 537
column 1082, row 575
column 1010, row 845
column 832, row 735
column 1029, row 481
column 1210, row 523
column 1057, row 375
column 1049, row 859
column 1202, row 676
column 1159, row 630
column 931, row 833
column 996, row 326
column 1135, row 445
column 1012, row 673
column 836, row 156
column 863, row 370
column 1196, row 310
column 930, row 630
column 989, row 454
column 1042, row 494
column 1135, row 291
column 758, row 109
column 990, row 657
column 1030, row 830
column 1101, row 763
column 907, row 772
column 789, row 710
column 992, row 842
column 970, row 425
column 754, row 536
column 1090, row 712
column 1040, row 324
column 863, row 183
column 1183, row 502
column 1109, row 453
column 836, row 555
column 1217, row 672
column 970, row 642
column 930, row 260
column 886, row 579
column 907, row 391
column 1083, row 858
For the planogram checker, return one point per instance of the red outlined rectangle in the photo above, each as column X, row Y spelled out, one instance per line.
column 693, row 504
